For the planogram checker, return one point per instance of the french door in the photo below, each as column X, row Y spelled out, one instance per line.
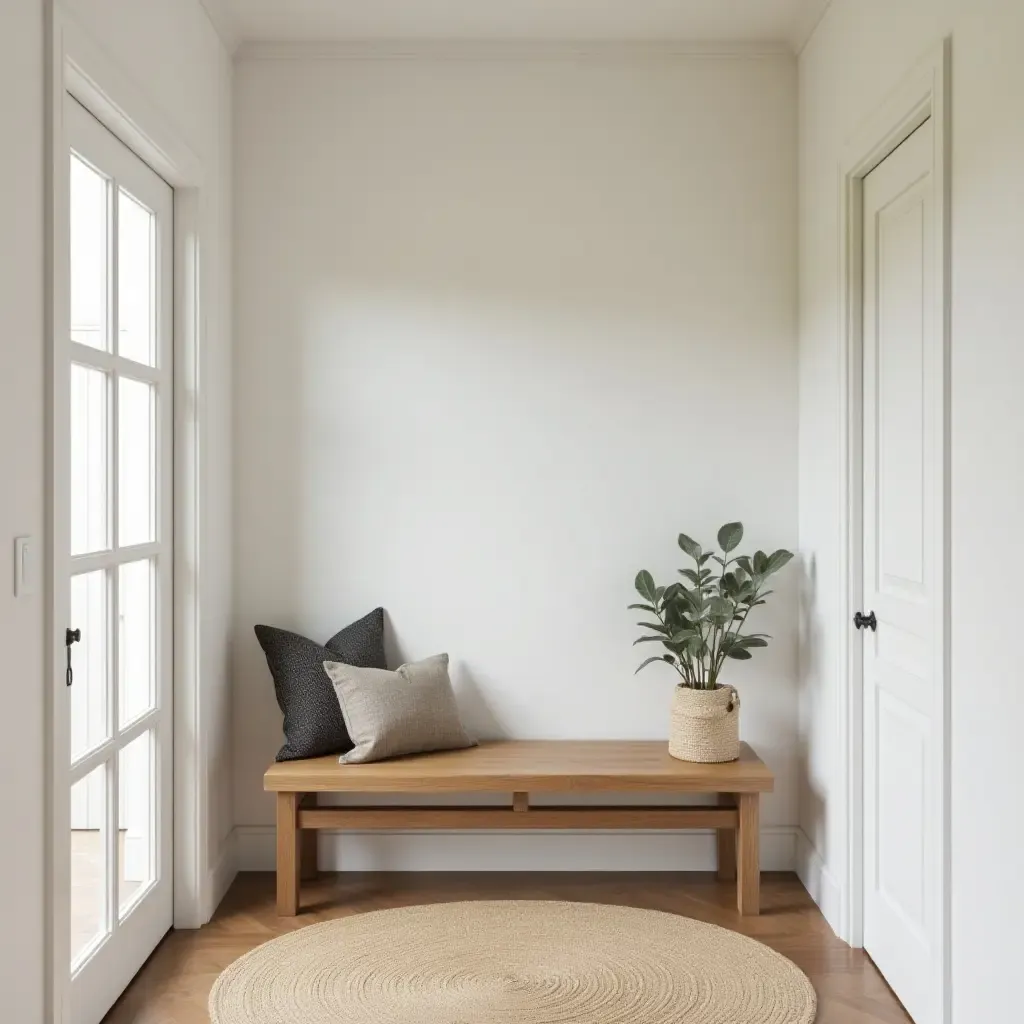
column 113, row 408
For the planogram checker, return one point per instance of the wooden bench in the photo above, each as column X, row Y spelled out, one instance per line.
column 519, row 768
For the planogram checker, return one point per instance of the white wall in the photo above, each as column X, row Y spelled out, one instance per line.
column 505, row 326
column 860, row 51
column 21, row 503
column 169, row 46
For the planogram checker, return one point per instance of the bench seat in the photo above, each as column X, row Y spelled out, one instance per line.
column 518, row 768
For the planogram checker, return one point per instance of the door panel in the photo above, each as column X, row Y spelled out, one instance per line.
column 902, row 574
column 113, row 553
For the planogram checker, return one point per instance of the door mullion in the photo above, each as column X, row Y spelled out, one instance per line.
column 108, row 363
column 112, row 840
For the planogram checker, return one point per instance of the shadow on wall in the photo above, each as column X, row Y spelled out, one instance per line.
column 813, row 709
column 477, row 714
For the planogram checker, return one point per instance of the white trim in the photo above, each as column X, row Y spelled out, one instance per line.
column 819, row 882
column 490, row 850
column 190, row 754
column 924, row 94
column 115, row 99
column 79, row 65
column 498, row 50
column 222, row 874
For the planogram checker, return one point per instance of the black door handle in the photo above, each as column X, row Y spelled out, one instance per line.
column 862, row 621
column 71, row 636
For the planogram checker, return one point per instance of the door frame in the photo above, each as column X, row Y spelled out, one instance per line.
column 78, row 64
column 923, row 94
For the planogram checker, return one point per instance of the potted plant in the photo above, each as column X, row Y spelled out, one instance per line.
column 700, row 622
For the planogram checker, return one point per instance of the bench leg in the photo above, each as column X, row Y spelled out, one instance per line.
column 288, row 854
column 308, row 838
column 749, row 860
column 726, row 844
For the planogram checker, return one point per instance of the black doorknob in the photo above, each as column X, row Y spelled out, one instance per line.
column 71, row 636
column 862, row 621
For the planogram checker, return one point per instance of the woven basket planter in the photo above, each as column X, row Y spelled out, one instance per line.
column 705, row 725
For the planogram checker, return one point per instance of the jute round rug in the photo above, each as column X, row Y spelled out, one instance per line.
column 512, row 962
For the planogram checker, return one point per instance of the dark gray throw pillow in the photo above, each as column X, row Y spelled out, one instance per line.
column 313, row 723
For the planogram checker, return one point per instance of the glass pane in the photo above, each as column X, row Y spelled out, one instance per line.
column 90, row 659
column 88, row 862
column 137, row 632
column 136, row 281
column 90, row 483
column 88, row 256
column 136, row 803
column 136, row 462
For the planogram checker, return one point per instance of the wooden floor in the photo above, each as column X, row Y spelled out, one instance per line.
column 174, row 985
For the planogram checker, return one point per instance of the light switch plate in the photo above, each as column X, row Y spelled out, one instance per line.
column 25, row 574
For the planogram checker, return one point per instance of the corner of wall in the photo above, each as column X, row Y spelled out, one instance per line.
column 819, row 882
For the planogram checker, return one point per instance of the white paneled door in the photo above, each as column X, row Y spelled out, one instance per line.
column 901, row 620
column 113, row 408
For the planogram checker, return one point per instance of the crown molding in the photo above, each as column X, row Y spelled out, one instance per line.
column 808, row 18
column 224, row 23
column 490, row 50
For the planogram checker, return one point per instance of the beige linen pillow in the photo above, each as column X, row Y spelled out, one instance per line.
column 388, row 714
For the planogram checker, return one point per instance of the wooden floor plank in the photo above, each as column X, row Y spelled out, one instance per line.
column 175, row 983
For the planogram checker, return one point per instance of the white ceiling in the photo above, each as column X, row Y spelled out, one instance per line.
column 705, row 21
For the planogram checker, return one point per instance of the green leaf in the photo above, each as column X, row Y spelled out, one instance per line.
column 684, row 635
column 642, row 608
column 739, row 654
column 649, row 640
column 744, row 563
column 674, row 616
column 760, row 562
column 746, row 642
column 691, row 575
column 670, row 592
column 690, row 546
column 662, row 658
column 657, row 626
column 645, row 587
column 729, row 536
column 777, row 561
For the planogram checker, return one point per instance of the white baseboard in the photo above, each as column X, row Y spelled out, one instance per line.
column 813, row 872
column 221, row 875
column 513, row 851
